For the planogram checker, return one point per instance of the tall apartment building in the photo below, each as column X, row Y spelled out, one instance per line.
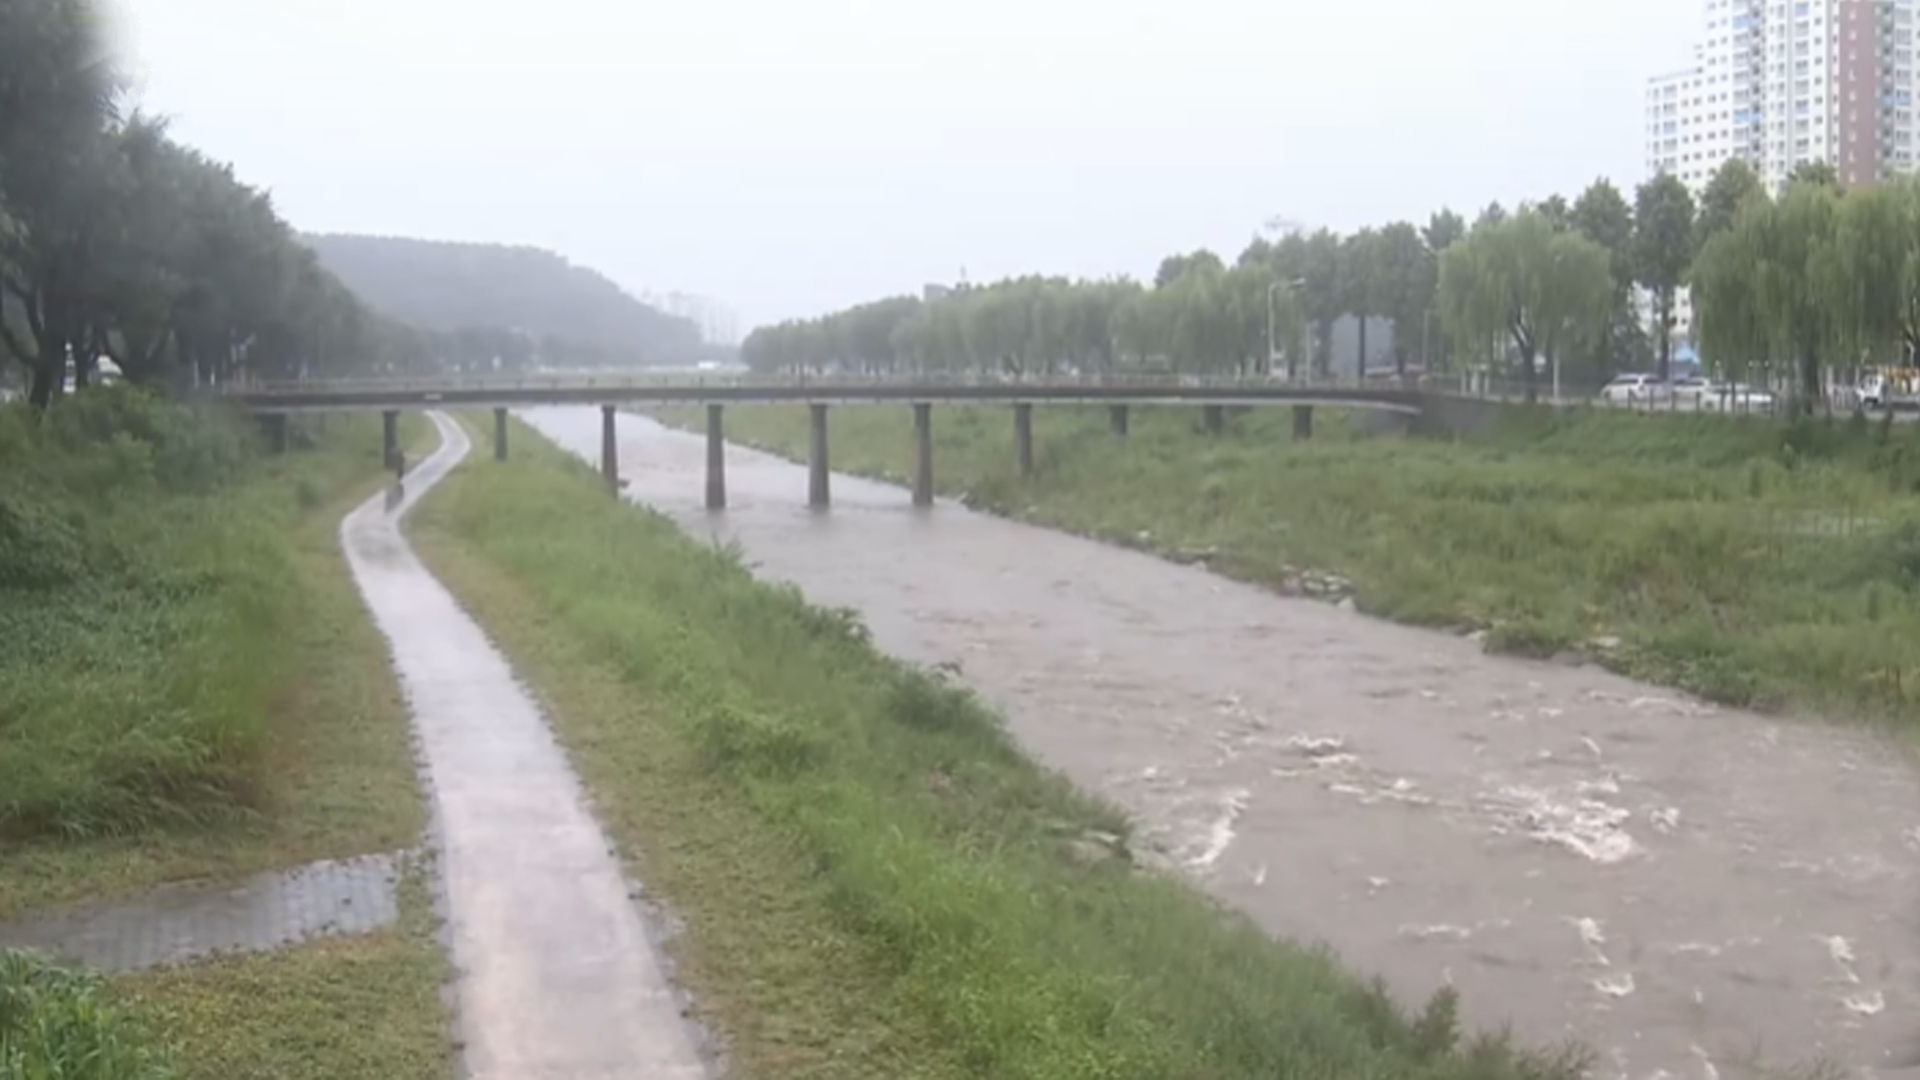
column 1781, row 82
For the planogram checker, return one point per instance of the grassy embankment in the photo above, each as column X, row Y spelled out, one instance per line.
column 874, row 882
column 1751, row 562
column 190, row 687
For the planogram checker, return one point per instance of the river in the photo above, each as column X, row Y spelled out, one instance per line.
column 1690, row 890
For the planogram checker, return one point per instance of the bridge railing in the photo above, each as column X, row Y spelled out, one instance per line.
column 637, row 381
column 1466, row 385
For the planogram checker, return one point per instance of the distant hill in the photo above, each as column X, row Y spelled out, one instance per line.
column 576, row 315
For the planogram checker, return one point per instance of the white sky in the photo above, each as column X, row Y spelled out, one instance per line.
column 789, row 157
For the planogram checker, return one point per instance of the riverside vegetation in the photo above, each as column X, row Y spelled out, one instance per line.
column 190, row 688
column 1755, row 562
column 873, row 880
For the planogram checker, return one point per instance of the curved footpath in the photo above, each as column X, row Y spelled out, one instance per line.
column 558, row 976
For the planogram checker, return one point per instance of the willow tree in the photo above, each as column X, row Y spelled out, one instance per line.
column 1879, row 253
column 1774, row 286
column 1521, row 281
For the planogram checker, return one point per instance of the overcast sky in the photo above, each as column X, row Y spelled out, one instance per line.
column 789, row 157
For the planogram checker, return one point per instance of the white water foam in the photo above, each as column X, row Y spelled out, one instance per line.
column 1587, row 827
column 1220, row 834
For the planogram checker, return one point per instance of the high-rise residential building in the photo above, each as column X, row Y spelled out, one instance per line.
column 1783, row 82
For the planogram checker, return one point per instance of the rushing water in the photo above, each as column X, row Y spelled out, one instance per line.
column 1690, row 890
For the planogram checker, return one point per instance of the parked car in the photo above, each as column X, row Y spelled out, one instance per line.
column 1635, row 389
column 1735, row 397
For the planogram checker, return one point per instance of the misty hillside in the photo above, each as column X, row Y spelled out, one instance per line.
column 576, row 313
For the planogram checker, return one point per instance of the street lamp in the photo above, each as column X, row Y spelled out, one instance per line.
column 1273, row 351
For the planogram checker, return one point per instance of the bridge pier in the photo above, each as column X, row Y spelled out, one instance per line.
column 499, row 434
column 274, row 427
column 922, row 453
column 1213, row 418
column 1023, row 436
column 716, row 458
column 1303, row 421
column 1117, row 419
column 610, row 450
column 390, row 438
column 818, row 495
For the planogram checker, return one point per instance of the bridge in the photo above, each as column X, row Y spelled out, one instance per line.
column 274, row 402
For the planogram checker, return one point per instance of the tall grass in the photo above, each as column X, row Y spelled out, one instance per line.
column 1755, row 562
column 145, row 593
column 921, row 833
column 57, row 1024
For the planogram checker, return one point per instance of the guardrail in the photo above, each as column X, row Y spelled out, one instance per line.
column 1131, row 381
column 683, row 385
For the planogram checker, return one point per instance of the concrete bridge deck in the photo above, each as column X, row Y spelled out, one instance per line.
column 484, row 391
column 274, row 403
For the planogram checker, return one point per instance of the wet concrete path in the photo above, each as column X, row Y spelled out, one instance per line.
column 557, row 975
column 1689, row 889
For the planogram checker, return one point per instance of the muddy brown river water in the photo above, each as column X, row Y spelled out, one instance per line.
column 1694, row 892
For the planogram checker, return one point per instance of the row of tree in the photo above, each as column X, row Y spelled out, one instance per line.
column 1549, row 289
column 119, row 243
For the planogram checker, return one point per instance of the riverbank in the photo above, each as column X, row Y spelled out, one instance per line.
column 194, row 692
column 1737, row 558
column 870, row 877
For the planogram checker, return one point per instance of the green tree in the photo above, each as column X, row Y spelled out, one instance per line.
column 1362, row 270
column 1539, row 290
column 1601, row 214
column 1821, row 173
column 1663, row 236
column 1404, row 289
column 1173, row 266
column 1731, row 187
column 1878, row 244
column 1555, row 209
column 1443, row 230
column 1774, row 285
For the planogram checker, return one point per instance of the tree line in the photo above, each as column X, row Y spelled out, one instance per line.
column 118, row 242
column 1782, row 289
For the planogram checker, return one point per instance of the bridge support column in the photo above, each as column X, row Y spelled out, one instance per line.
column 499, row 434
column 1117, row 419
column 922, row 453
column 1023, row 437
column 818, row 495
column 610, row 449
column 1303, row 421
column 390, row 438
column 716, row 458
column 1213, row 418
column 274, row 427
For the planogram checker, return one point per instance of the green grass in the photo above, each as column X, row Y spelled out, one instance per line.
column 1749, row 561
column 59, row 1024
column 361, row 1008
column 874, row 881
column 190, row 685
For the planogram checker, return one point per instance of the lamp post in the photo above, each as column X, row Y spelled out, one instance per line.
column 1273, row 351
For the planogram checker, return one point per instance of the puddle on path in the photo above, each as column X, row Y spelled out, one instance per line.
column 1679, row 885
column 557, row 976
column 192, row 921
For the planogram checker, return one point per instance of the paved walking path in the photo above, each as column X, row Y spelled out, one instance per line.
column 558, row 976
column 174, row 924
